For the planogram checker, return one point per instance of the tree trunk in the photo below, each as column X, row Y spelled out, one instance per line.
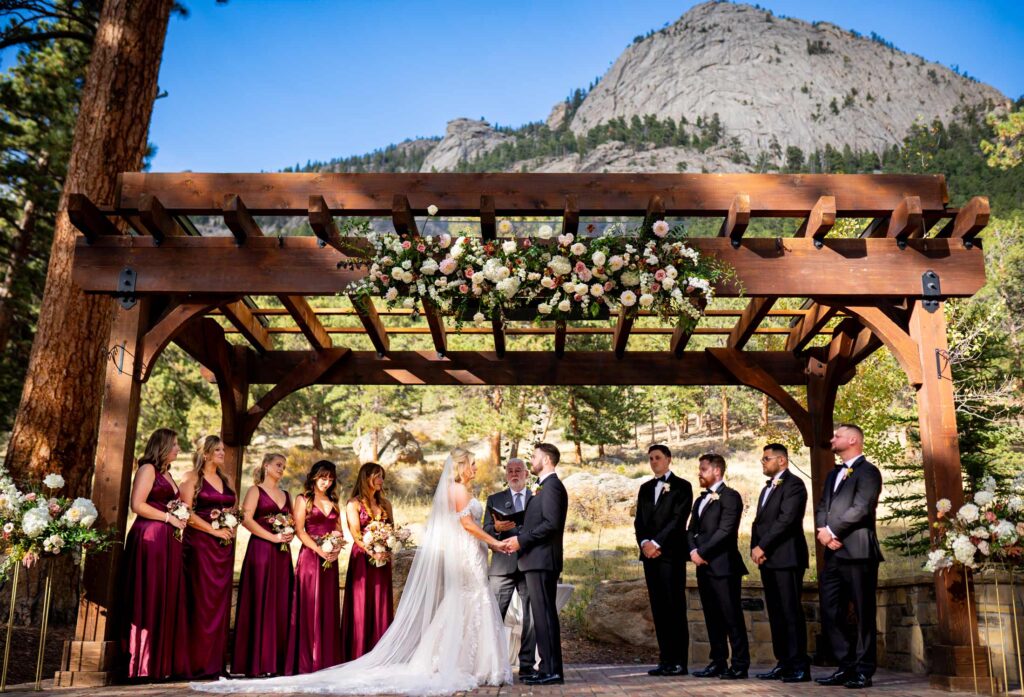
column 654, row 431
column 496, row 449
column 725, row 416
column 376, row 443
column 318, row 444
column 684, row 425
column 600, row 450
column 764, row 411
column 15, row 268
column 574, row 424
column 57, row 423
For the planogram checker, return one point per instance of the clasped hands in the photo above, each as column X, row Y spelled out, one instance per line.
column 650, row 550
column 509, row 546
column 825, row 537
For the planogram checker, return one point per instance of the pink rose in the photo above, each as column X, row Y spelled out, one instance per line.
column 609, row 285
column 655, row 287
column 385, row 279
column 527, row 244
column 421, row 248
column 30, row 497
column 585, row 274
column 469, row 272
column 406, row 244
column 990, row 516
column 463, row 288
column 659, row 275
column 580, row 267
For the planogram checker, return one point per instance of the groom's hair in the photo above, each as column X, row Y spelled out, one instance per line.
column 663, row 449
column 551, row 451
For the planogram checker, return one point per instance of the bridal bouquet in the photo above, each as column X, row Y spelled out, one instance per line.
column 330, row 542
column 225, row 519
column 281, row 524
column 382, row 540
column 178, row 509
column 987, row 531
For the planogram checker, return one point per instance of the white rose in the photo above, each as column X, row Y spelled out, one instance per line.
column 615, row 263
column 35, row 520
column 391, row 295
column 231, row 521
column 545, row 232
column 53, row 481
column 564, row 306
column 660, row 228
column 598, row 258
column 215, row 525
column 458, row 250
column 628, row 298
column 505, row 227
column 479, row 318
column 429, row 267
column 327, row 545
column 431, row 209
column 508, row 246
column 444, row 241
column 630, row 279
column 1015, row 503
column 547, row 282
column 597, row 290
column 544, row 309
column 646, row 300
column 559, row 265
column 87, row 521
column 968, row 513
column 408, row 303
column 566, row 239
column 984, row 498
column 447, row 265
column 407, row 264
column 581, row 289
column 667, row 283
column 569, row 287
column 579, row 249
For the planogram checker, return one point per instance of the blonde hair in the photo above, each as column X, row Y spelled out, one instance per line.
column 158, row 449
column 260, row 475
column 461, row 459
column 199, row 458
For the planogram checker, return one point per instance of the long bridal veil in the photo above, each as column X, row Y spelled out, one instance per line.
column 422, row 652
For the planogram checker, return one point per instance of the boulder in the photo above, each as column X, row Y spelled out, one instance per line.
column 395, row 446
column 464, row 141
column 620, row 612
column 619, row 490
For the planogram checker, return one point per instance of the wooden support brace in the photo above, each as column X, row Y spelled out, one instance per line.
column 655, row 210
column 737, row 219
column 570, row 216
column 239, row 220
column 322, row 222
column 907, row 220
column 498, row 329
column 809, row 326
column 371, row 322
column 402, row 217
column 89, row 219
column 621, row 335
column 166, row 328
column 894, row 334
column 241, row 316
column 560, row 334
column 821, row 219
column 488, row 218
column 156, row 220
column 306, row 319
column 969, row 221
column 436, row 324
column 757, row 309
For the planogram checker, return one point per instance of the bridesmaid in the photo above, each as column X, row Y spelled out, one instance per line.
column 314, row 633
column 265, row 587
column 209, row 564
column 155, row 635
column 369, row 603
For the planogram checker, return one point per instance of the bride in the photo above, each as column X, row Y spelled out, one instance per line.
column 447, row 635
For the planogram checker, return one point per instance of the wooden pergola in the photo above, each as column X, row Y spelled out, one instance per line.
column 885, row 287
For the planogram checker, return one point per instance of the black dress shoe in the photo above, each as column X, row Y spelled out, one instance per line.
column 659, row 670
column 712, row 671
column 797, row 676
column 545, row 679
column 837, row 678
column 675, row 671
column 733, row 674
column 525, row 675
column 775, row 673
column 858, row 681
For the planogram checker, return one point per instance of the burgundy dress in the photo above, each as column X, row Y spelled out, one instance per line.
column 155, row 633
column 369, row 602
column 264, row 595
column 314, row 633
column 209, row 567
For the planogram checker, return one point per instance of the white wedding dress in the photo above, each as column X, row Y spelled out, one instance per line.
column 447, row 635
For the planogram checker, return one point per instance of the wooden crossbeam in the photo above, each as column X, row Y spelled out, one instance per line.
column 255, row 333
column 757, row 310
column 560, row 334
column 737, row 219
column 156, row 220
column 542, row 330
column 488, row 218
column 821, row 219
column 528, row 368
column 239, row 220
column 370, row 318
column 570, row 216
column 435, row 323
column 856, row 267
column 810, row 326
column 402, row 217
column 401, row 311
column 322, row 222
column 621, row 334
column 771, row 195
column 906, row 220
column 89, row 219
column 498, row 329
column 298, row 307
column 969, row 221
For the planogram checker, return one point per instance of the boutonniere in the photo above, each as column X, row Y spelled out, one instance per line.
column 847, row 471
column 666, row 487
column 776, row 482
column 713, row 496
column 535, row 488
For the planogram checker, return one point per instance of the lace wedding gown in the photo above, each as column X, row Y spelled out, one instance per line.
column 447, row 635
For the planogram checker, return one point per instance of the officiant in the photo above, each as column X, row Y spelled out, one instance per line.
column 502, row 519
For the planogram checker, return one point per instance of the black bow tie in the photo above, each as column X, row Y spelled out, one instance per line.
column 664, row 478
column 768, row 482
column 708, row 491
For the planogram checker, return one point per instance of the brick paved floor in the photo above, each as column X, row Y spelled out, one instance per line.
column 615, row 680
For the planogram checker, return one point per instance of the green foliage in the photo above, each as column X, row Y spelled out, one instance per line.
column 1006, row 150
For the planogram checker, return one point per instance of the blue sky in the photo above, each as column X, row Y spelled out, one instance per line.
column 260, row 85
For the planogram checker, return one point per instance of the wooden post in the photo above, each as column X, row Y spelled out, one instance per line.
column 234, row 411
column 89, row 659
column 940, row 453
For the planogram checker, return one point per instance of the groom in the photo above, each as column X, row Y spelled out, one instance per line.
column 539, row 544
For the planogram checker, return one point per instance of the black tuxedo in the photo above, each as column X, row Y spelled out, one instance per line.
column 505, row 577
column 851, row 572
column 778, row 530
column 714, row 534
column 540, row 558
column 664, row 523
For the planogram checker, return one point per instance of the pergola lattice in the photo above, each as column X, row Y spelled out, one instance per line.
column 885, row 287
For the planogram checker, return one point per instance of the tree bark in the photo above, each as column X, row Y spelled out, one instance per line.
column 496, row 449
column 574, row 424
column 318, row 444
column 15, row 268
column 725, row 416
column 55, row 429
column 764, row 411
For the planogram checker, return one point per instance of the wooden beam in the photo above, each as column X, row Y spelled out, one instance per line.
column 364, row 307
column 488, row 219
column 528, row 368
column 298, row 307
column 570, row 215
column 498, row 329
column 821, row 219
column 810, row 326
column 772, row 195
column 757, row 310
column 254, row 332
column 402, row 312
column 166, row 328
column 736, row 219
column 894, row 335
column 436, row 324
column 560, row 335
column 322, row 222
column 762, row 267
column 655, row 210
column 156, row 220
column 89, row 219
column 969, row 221
column 906, row 220
column 621, row 335
column 539, row 331
column 402, row 217
column 239, row 220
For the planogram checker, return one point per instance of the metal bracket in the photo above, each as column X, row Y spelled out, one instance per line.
column 126, row 288
column 942, row 365
column 931, row 290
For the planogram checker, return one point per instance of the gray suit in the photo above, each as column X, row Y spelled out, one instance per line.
column 505, row 576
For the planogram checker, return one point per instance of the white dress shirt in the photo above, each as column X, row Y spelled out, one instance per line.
column 707, row 499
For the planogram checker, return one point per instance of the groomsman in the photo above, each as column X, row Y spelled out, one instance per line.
column 661, row 509
column 714, row 548
column 845, row 519
column 503, row 574
column 540, row 548
column 778, row 547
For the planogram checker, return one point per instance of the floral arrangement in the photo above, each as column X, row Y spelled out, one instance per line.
column 35, row 524
column 382, row 539
column 225, row 519
column 986, row 532
column 180, row 510
column 281, row 524
column 328, row 543
column 649, row 267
